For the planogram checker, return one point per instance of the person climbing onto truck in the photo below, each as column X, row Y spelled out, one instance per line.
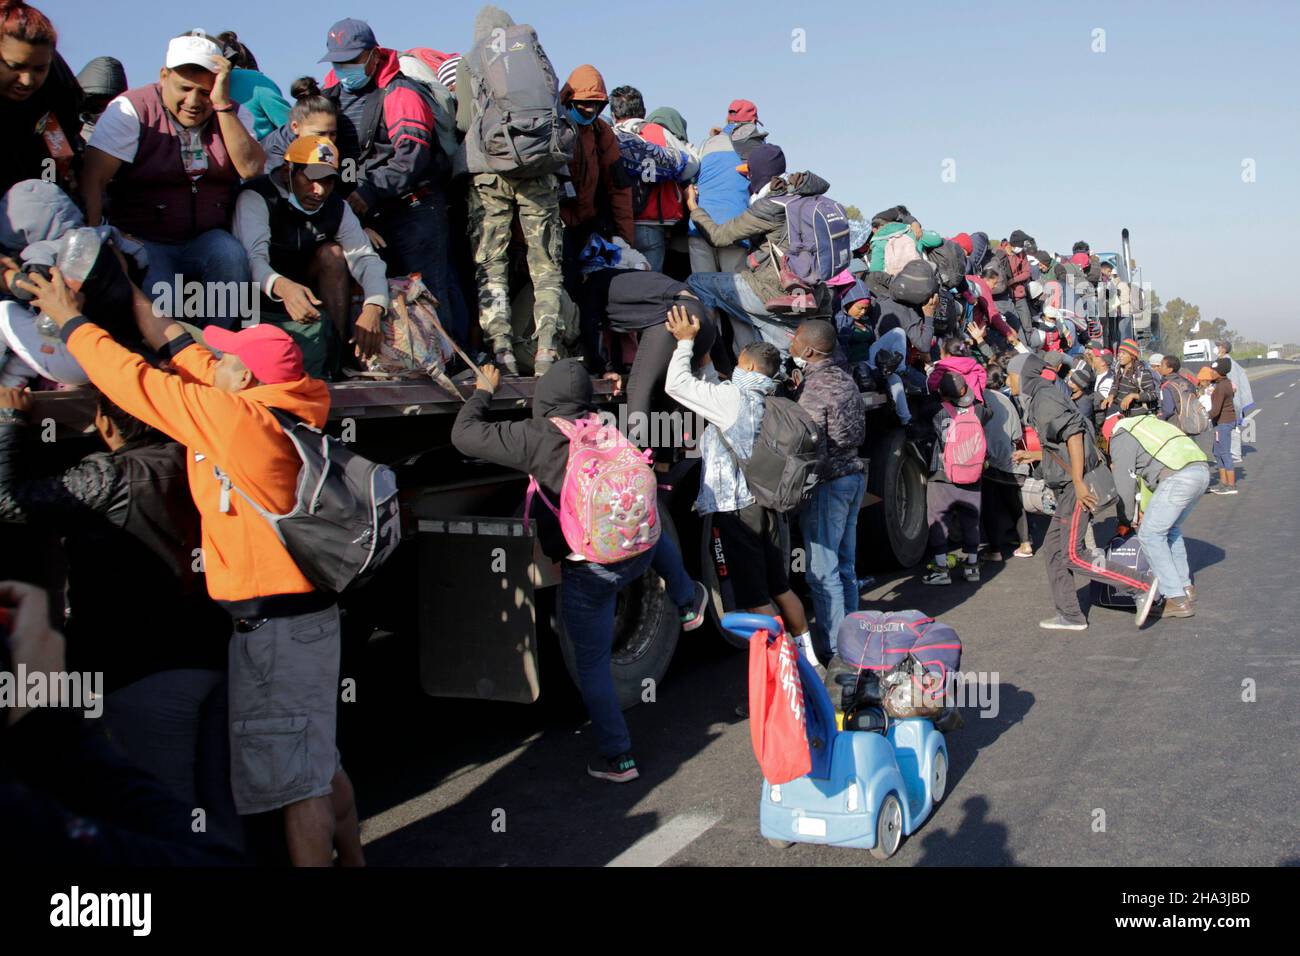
column 284, row 652
column 751, row 535
column 588, row 590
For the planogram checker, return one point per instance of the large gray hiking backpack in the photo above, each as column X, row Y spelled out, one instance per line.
column 344, row 523
column 520, row 129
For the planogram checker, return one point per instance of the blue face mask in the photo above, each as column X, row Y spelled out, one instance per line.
column 579, row 118
column 352, row 77
column 293, row 201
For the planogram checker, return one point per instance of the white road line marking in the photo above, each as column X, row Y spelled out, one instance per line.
column 1253, row 414
column 670, row 839
column 1292, row 385
column 1279, row 394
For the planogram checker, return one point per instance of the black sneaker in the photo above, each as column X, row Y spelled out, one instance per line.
column 621, row 769
column 693, row 614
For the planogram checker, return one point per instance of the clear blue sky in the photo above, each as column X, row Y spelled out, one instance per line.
column 1046, row 135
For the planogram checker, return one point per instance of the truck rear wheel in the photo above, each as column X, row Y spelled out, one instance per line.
column 898, row 520
column 646, row 628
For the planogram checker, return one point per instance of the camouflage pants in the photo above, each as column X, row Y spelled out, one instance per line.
column 493, row 201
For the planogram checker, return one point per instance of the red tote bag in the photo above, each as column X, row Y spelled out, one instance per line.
column 776, row 708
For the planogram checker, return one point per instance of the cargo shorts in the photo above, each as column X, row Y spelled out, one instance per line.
column 284, row 687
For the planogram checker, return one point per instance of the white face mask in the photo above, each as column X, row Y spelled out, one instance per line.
column 803, row 362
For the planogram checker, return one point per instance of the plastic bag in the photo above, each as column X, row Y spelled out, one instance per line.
column 910, row 689
column 777, row 722
column 412, row 342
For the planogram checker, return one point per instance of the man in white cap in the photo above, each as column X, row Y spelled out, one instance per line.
column 170, row 156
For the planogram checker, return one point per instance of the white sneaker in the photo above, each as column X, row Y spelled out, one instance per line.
column 1059, row 623
column 1146, row 603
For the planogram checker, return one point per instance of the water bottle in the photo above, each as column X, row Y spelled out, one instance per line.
column 76, row 259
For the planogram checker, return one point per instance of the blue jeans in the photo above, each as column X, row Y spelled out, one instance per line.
column 895, row 340
column 668, row 565
column 587, row 598
column 213, row 257
column 830, row 532
column 652, row 242
column 419, row 241
column 729, row 292
column 1161, row 532
column 1223, row 446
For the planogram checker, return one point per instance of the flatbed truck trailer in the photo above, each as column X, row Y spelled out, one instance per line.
column 468, row 578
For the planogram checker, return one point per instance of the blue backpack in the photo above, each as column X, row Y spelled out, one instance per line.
column 818, row 237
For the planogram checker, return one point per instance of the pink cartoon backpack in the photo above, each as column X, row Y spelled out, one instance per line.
column 608, row 506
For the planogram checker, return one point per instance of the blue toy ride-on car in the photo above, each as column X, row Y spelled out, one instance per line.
column 866, row 789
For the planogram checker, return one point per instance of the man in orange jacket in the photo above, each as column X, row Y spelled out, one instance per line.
column 284, row 654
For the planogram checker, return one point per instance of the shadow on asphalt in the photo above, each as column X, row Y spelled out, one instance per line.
column 980, row 731
column 976, row 840
column 400, row 744
column 1202, row 555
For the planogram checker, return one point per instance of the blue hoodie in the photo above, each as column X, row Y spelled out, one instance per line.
column 724, row 193
column 852, row 341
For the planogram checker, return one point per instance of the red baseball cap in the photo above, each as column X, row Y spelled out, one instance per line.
column 269, row 352
column 964, row 241
column 1108, row 426
column 742, row 111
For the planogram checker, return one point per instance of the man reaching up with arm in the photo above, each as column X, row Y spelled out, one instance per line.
column 284, row 654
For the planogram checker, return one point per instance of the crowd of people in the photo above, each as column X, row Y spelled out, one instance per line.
column 558, row 243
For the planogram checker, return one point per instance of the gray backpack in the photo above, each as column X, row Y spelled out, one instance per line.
column 345, row 522
column 789, row 458
column 1189, row 414
column 519, row 129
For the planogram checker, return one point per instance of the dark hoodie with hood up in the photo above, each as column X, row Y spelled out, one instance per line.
column 535, row 446
column 1057, row 420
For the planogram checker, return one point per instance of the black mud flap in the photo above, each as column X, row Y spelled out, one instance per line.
column 478, row 633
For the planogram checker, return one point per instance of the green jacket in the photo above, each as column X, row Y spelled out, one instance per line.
column 929, row 240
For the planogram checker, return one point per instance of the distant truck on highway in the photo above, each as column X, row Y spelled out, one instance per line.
column 1199, row 350
column 1146, row 321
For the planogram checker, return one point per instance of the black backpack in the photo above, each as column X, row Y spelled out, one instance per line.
column 788, row 460
column 345, row 521
column 950, row 262
column 1003, row 265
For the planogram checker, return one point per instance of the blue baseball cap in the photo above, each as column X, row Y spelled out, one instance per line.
column 347, row 40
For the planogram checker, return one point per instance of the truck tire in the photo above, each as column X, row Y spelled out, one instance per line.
column 898, row 520
column 646, row 627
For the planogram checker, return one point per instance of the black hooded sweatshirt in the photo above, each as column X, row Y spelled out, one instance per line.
column 535, row 446
column 1057, row 420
